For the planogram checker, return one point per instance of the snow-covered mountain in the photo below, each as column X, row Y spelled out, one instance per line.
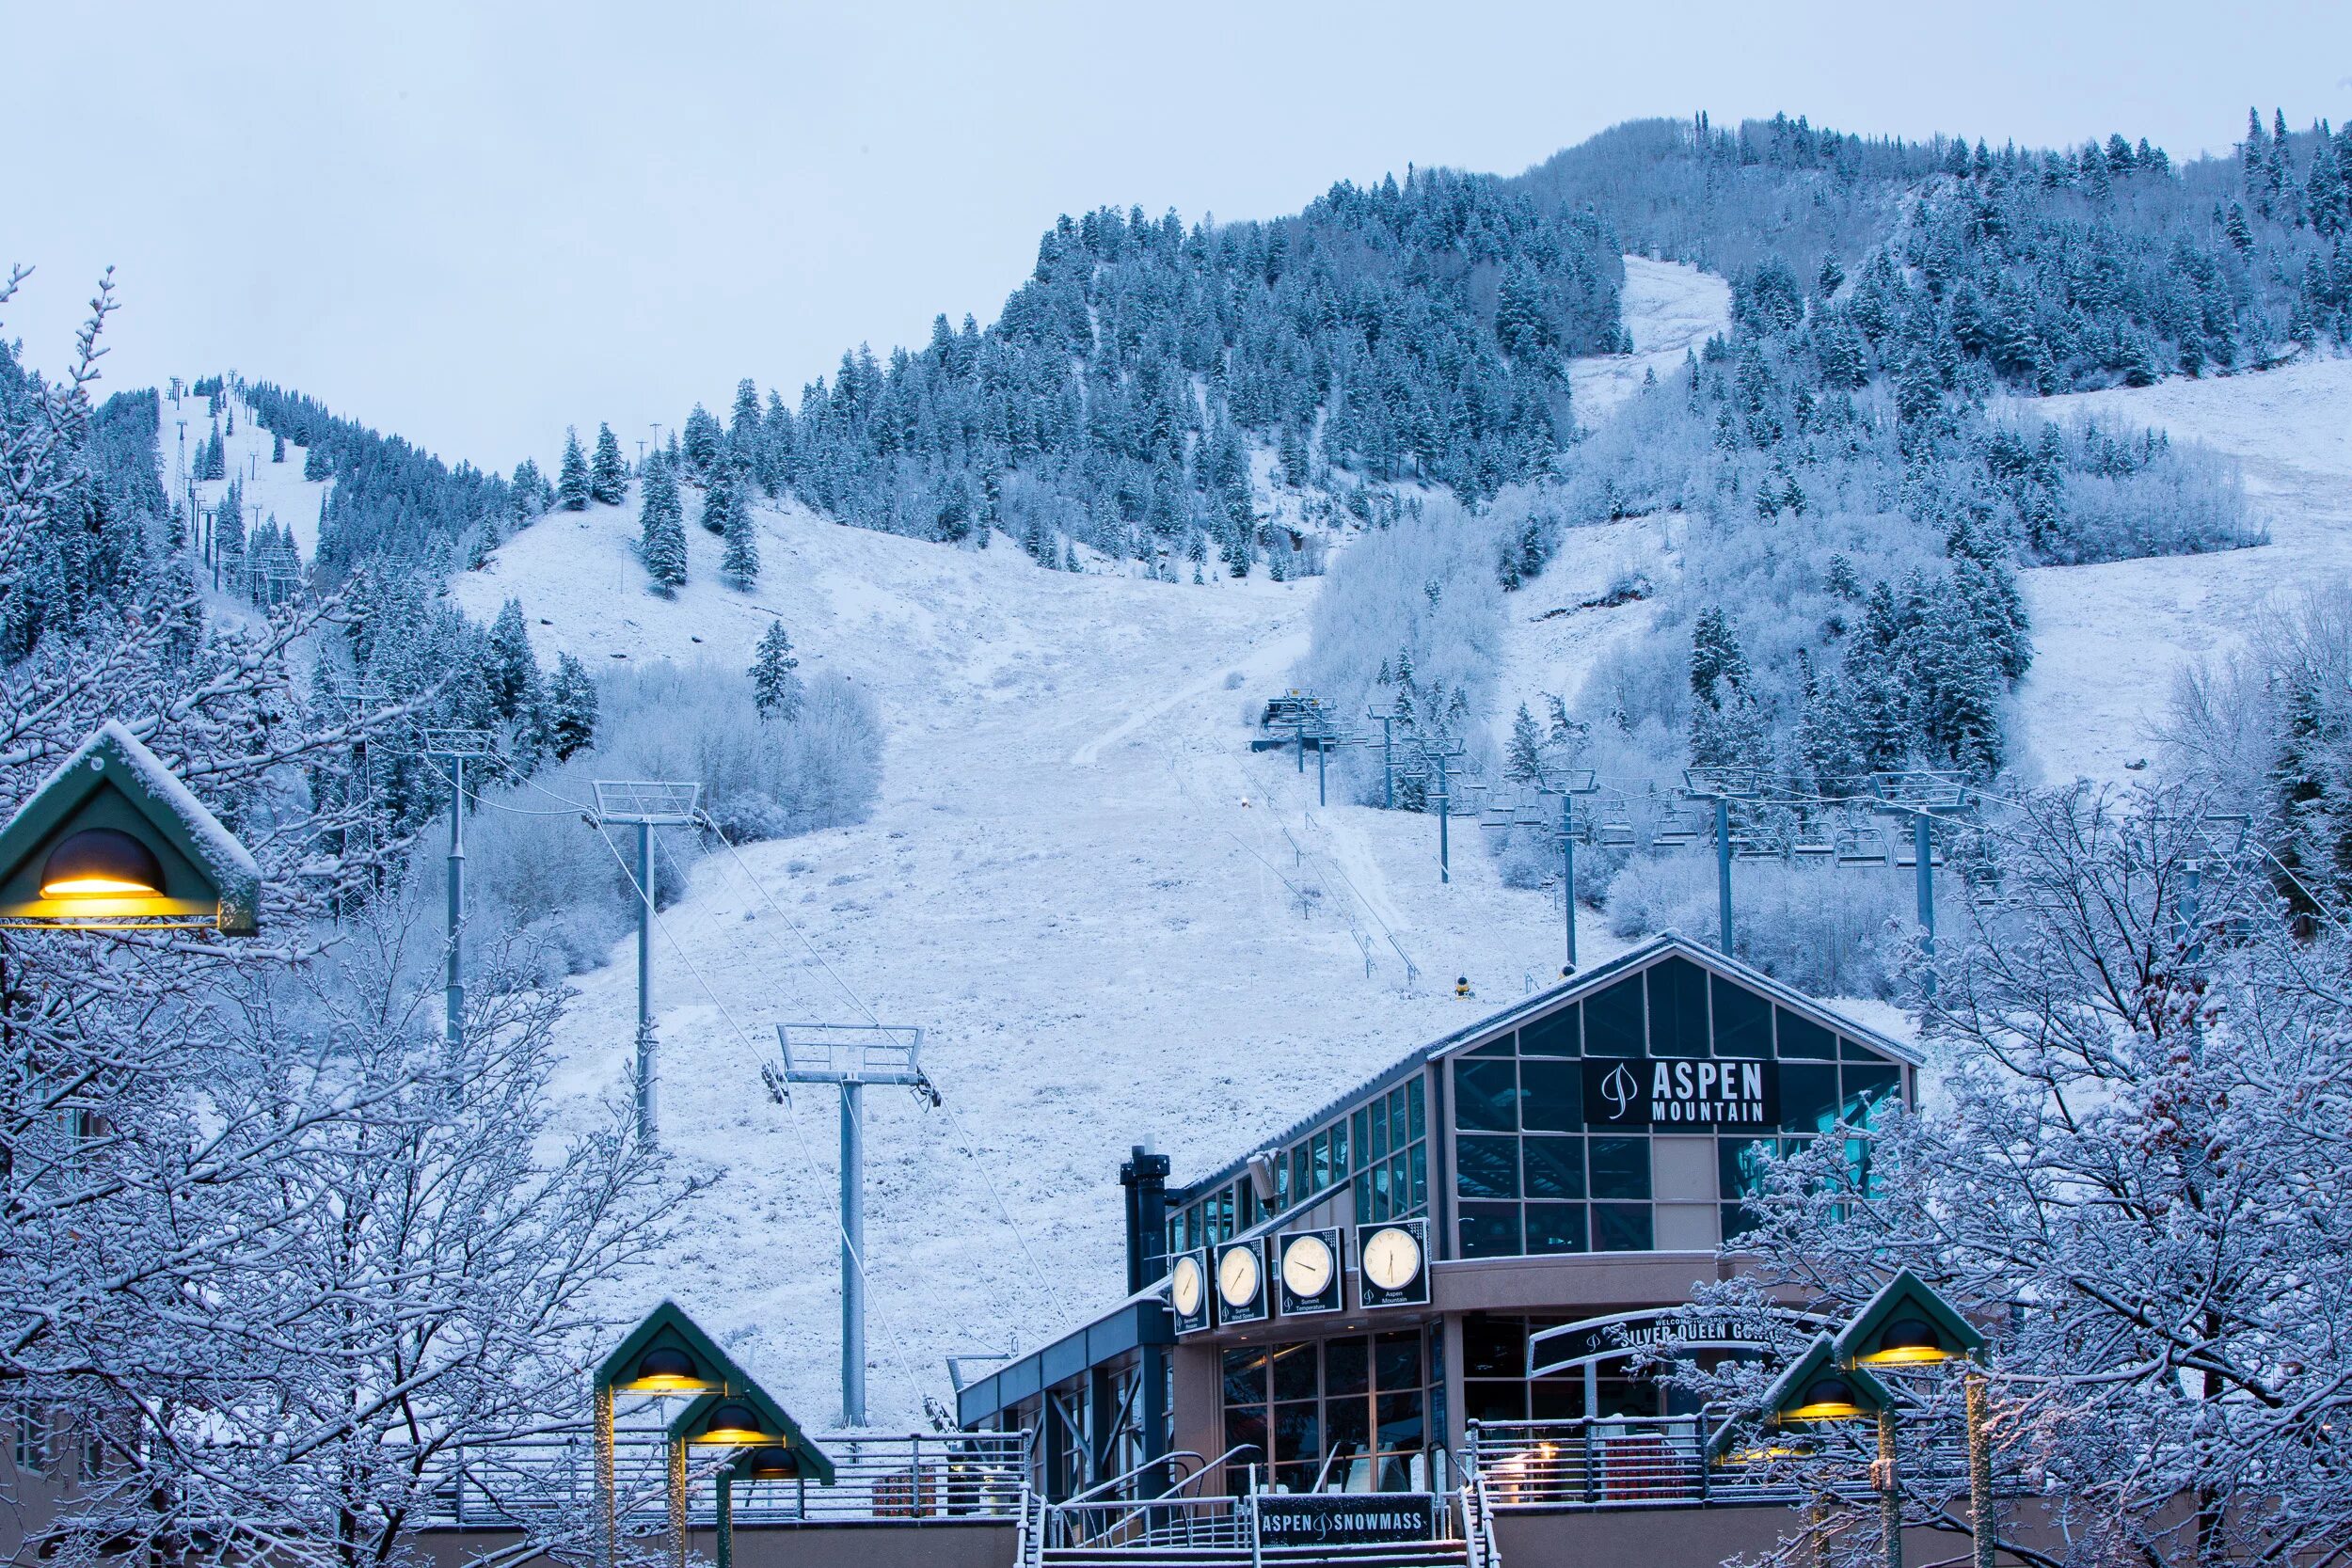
column 1117, row 924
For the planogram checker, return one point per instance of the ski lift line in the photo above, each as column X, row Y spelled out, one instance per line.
column 970, row 1149
column 800, row 1137
column 1340, row 871
column 478, row 799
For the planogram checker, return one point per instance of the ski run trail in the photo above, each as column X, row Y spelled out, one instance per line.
column 1115, row 923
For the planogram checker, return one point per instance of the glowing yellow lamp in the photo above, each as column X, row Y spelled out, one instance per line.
column 667, row 1369
column 1910, row 1342
column 102, row 862
column 736, row 1423
column 1827, row 1398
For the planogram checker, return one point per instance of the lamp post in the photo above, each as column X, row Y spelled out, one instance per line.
column 1906, row 1325
column 745, row 1418
column 1815, row 1391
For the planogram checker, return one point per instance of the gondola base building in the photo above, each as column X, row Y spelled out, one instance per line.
column 1460, row 1268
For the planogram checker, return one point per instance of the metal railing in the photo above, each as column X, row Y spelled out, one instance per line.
column 921, row 1476
column 1653, row 1461
column 1176, row 1516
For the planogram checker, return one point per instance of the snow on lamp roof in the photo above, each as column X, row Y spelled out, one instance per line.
column 182, row 867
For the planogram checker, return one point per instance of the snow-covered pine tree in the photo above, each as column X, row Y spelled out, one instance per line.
column 570, row 724
column 739, row 564
column 228, row 523
column 513, row 669
column 775, row 688
column 572, row 484
column 703, row 441
column 1523, row 759
column 607, row 474
column 720, row 501
column 661, row 546
column 278, row 445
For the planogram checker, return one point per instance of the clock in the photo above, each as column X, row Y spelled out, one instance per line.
column 1238, row 1275
column 1308, row 1265
column 1185, row 1287
column 1393, row 1263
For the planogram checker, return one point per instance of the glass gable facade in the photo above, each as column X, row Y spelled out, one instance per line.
column 1378, row 1152
column 1629, row 1121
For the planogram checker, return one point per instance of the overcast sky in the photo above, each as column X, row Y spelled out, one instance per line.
column 474, row 225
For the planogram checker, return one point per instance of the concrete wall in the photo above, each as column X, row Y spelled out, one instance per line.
column 1685, row 1537
column 930, row 1544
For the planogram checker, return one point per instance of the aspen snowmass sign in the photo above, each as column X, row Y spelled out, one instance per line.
column 1703, row 1094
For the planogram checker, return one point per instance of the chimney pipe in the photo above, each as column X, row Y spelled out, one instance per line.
column 1145, row 1176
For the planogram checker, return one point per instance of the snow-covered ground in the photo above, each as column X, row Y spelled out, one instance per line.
column 279, row 487
column 1670, row 309
column 1113, row 921
column 2109, row 640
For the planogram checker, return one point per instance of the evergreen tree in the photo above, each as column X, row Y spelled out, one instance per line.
column 572, row 483
column 228, row 523
column 607, row 478
column 512, row 668
column 720, row 502
column 314, row 463
column 571, row 724
column 1718, row 664
column 661, row 529
column 738, row 567
column 703, row 440
column 278, row 445
column 1523, row 759
column 775, row 688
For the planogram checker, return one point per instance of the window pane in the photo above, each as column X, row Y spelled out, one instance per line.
column 1348, row 1424
column 1494, row 1346
column 1364, row 1141
column 1495, row 1402
column 1500, row 1046
column 1379, row 1178
column 1678, row 1009
column 1295, row 1434
column 1555, row 1228
column 1396, row 1360
column 1377, row 1150
column 1620, row 1167
column 1339, row 1166
column 1556, row 1167
column 1487, row 1168
column 1321, row 1157
column 1743, row 1020
column 1485, row 1096
column 1363, row 1198
column 1738, row 1219
column 1867, row 1088
column 1551, row 1095
column 1346, row 1367
column 1803, row 1038
column 1399, row 1134
column 1400, row 1185
column 1613, row 1021
column 1293, row 1371
column 1245, row 1425
column 1808, row 1097
column 1417, row 1161
column 1740, row 1165
column 1557, row 1399
column 1400, row 1421
column 1417, row 1122
column 1490, row 1230
column 1621, row 1227
column 1555, row 1035
column 1245, row 1376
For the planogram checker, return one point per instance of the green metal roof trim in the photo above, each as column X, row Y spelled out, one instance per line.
column 814, row 1459
column 669, row 1324
column 1599, row 977
column 113, row 780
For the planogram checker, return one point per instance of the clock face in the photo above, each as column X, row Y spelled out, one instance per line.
column 1183, row 1287
column 1307, row 1266
column 1237, row 1275
column 1391, row 1259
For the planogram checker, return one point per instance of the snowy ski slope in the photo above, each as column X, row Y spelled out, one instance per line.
column 1115, row 923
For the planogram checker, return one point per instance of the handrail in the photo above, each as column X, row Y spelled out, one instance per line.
column 1213, row 1464
column 1323, row 1471
column 1128, row 1475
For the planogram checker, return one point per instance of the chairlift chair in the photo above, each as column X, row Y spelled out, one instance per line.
column 1613, row 825
column 1862, row 846
column 1813, row 844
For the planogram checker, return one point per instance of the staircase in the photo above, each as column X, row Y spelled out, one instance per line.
column 1402, row 1554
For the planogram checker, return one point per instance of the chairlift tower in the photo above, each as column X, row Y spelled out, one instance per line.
column 646, row 804
column 1529, row 813
column 457, row 745
column 852, row 1055
column 1921, row 794
column 1436, row 761
column 1723, row 786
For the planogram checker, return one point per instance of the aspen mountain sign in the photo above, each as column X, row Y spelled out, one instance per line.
column 1663, row 1093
